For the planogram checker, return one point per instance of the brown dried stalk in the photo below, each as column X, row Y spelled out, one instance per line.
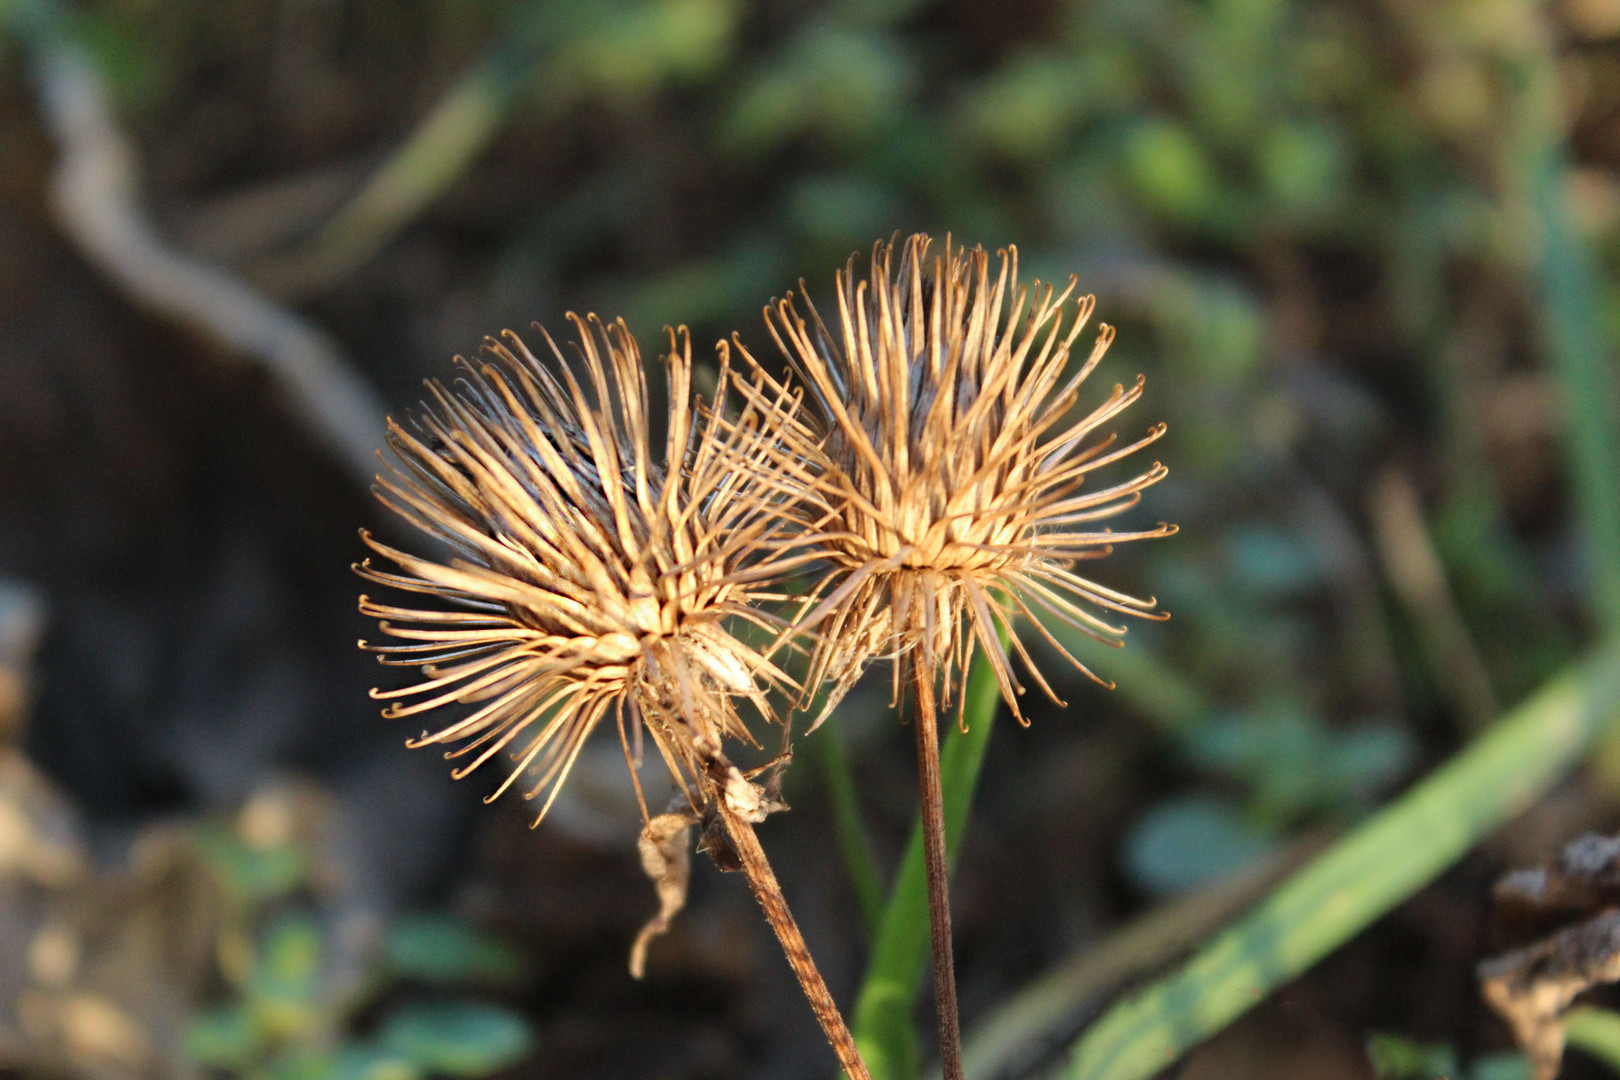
column 740, row 805
column 931, row 799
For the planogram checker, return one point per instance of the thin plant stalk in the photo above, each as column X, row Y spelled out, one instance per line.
column 94, row 191
column 883, row 1008
column 768, row 892
column 932, row 817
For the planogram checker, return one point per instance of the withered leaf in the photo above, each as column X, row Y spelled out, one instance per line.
column 666, row 857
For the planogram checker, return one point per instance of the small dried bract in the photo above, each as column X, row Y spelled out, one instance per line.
column 587, row 574
column 952, row 490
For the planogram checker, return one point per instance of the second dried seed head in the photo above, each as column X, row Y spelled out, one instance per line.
column 952, row 491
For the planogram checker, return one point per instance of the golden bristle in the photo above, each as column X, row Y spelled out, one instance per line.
column 589, row 573
column 948, row 493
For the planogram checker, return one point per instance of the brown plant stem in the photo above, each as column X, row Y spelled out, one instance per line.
column 762, row 882
column 932, row 803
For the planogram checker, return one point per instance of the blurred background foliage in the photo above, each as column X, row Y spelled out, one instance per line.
column 1364, row 251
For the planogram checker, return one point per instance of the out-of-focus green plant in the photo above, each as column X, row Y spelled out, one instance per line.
column 1294, row 769
column 1395, row 1057
column 1300, row 231
column 1398, row 850
column 288, row 1015
column 1596, row 1031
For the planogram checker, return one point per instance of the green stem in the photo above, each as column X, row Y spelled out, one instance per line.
column 1585, row 369
column 827, row 744
column 883, row 1026
column 1395, row 853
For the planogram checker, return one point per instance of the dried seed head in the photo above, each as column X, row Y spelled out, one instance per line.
column 951, row 491
column 588, row 573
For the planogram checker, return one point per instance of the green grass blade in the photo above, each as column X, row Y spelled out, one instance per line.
column 1392, row 855
column 1567, row 277
column 1017, row 1029
column 441, row 149
column 883, row 1027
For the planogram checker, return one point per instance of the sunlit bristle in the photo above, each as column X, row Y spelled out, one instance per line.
column 949, row 488
column 589, row 568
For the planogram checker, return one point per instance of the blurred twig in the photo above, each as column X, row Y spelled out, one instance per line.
column 94, row 192
column 1419, row 580
column 1397, row 852
column 439, row 151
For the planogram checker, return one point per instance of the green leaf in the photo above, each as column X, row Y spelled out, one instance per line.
column 224, row 1038
column 1370, row 757
column 345, row 1063
column 1395, row 1057
column 1213, row 331
column 1169, row 171
column 1509, row 1065
column 1596, row 1031
column 1274, row 562
column 258, row 874
column 840, row 81
column 1304, row 168
column 1295, row 765
column 373, row 1063
column 1026, row 107
column 628, row 50
column 443, row 949
column 284, row 988
column 1191, row 841
column 301, row 1064
column 456, row 1038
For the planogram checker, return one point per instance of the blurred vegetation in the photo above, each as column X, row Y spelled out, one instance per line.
column 1346, row 239
column 290, row 1016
